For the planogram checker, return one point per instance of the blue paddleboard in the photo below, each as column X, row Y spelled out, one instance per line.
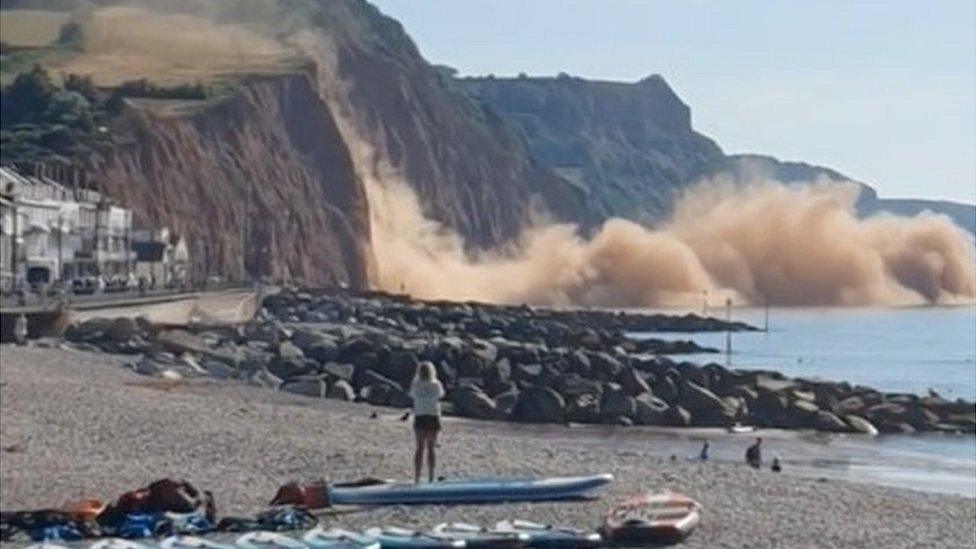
column 485, row 490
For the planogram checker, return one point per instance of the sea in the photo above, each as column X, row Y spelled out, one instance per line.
column 893, row 349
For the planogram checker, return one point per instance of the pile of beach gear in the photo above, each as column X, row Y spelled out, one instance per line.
column 174, row 514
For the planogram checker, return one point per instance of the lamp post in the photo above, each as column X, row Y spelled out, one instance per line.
column 60, row 244
column 14, row 262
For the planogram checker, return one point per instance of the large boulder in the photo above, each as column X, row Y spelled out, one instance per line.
column 470, row 401
column 649, row 410
column 706, row 408
column 379, row 395
column 312, row 386
column 305, row 339
column 497, row 377
column 747, row 394
column 826, row 421
column 858, row 424
column 604, row 365
column 616, row 403
column 359, row 351
column 182, row 341
column 338, row 371
column 921, row 418
column 264, row 378
column 527, row 373
column 367, row 376
column 583, row 408
column 849, row 406
column 676, row 416
column 288, row 368
column 689, row 371
column 538, row 404
column 505, row 403
column 476, row 358
column 580, row 363
column 402, row 367
column 769, row 409
column 801, row 413
column 896, row 428
column 322, row 351
column 147, row 367
column 446, row 372
column 632, row 382
column 573, row 385
column 341, row 390
column 666, row 389
column 887, row 412
column 272, row 333
column 219, row 370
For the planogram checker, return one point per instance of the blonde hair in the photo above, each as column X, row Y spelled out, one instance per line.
column 426, row 371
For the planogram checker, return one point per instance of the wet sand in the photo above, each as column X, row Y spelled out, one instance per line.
column 78, row 424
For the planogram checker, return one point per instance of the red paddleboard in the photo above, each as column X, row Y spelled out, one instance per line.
column 651, row 519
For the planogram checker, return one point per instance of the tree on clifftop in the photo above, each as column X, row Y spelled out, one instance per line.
column 26, row 97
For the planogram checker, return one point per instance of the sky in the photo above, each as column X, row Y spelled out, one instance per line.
column 882, row 91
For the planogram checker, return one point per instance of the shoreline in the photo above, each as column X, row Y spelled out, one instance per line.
column 110, row 430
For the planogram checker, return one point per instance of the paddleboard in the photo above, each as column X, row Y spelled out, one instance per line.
column 483, row 490
column 652, row 519
column 268, row 540
column 336, row 538
column 547, row 536
column 401, row 538
column 476, row 537
column 192, row 542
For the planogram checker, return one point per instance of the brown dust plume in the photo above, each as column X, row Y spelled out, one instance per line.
column 760, row 243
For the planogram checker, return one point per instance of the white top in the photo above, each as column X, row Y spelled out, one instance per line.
column 426, row 396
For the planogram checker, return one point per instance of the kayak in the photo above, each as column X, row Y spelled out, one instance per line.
column 476, row 537
column 546, row 536
column 47, row 545
column 257, row 540
column 118, row 543
column 401, row 538
column 483, row 490
column 652, row 519
column 192, row 542
column 335, row 538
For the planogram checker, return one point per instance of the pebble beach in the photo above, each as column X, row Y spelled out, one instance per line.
column 78, row 424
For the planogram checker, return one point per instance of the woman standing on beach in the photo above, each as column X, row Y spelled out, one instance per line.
column 426, row 391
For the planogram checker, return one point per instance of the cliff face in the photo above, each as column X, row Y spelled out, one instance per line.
column 630, row 146
column 469, row 169
column 260, row 183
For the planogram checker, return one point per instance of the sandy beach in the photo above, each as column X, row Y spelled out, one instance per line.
column 79, row 424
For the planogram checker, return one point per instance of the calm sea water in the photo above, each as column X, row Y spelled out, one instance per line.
column 891, row 349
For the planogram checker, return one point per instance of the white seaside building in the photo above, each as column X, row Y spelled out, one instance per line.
column 54, row 233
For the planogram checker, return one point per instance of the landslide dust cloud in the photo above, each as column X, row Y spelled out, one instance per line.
column 127, row 42
column 760, row 242
column 788, row 245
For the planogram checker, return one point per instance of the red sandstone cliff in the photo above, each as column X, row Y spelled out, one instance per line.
column 260, row 183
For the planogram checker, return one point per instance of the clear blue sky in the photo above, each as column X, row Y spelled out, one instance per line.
column 883, row 91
